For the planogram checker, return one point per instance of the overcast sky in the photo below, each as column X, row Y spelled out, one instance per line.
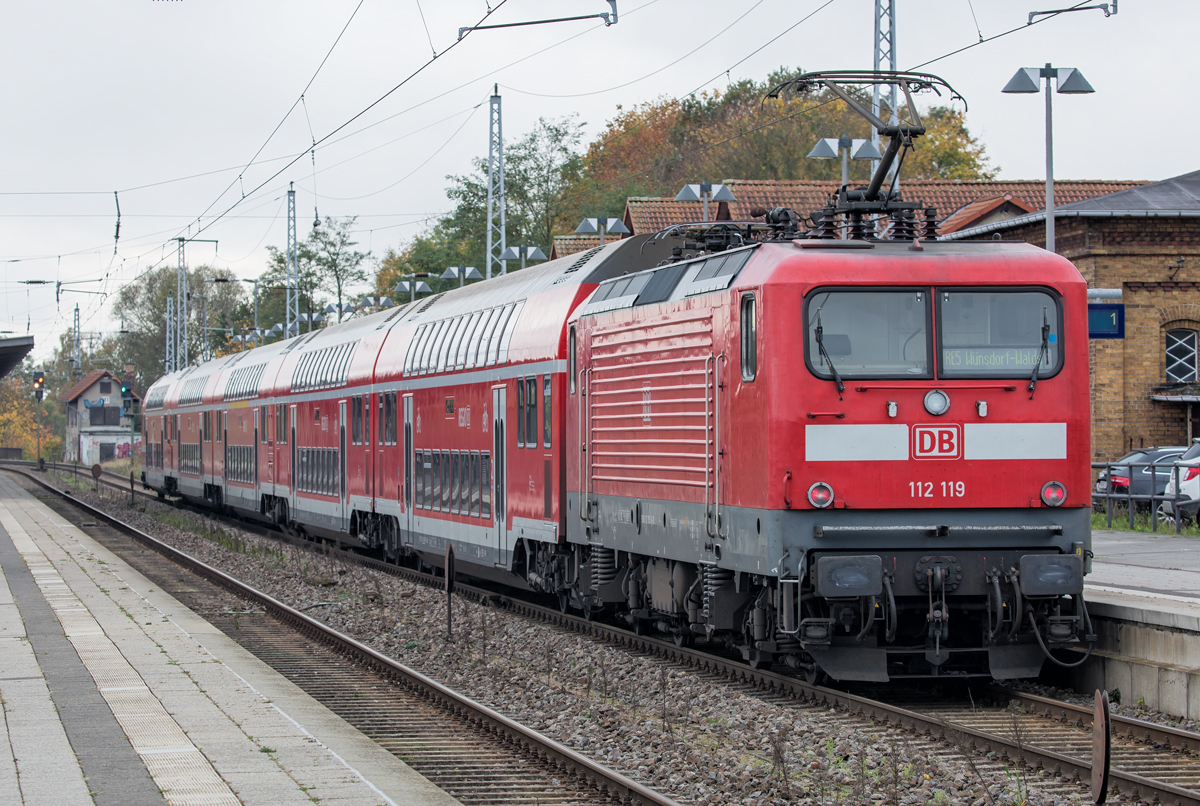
column 167, row 100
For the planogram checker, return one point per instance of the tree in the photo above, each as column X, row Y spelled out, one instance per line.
column 142, row 306
column 336, row 264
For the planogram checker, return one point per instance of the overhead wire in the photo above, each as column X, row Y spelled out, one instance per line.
column 202, row 228
column 702, row 45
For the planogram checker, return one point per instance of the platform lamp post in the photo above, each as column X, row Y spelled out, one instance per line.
column 524, row 253
column 705, row 192
column 243, row 280
column 464, row 273
column 592, row 226
column 1070, row 82
column 310, row 318
column 413, row 287
column 830, row 148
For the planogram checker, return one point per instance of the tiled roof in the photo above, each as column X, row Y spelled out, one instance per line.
column 72, row 393
column 969, row 214
column 1177, row 197
column 82, row 385
column 570, row 244
column 647, row 214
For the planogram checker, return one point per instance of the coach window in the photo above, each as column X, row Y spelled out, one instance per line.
column 356, row 420
column 485, row 484
column 749, row 339
column 509, row 328
column 571, row 357
column 264, row 437
column 998, row 333
column 445, row 481
column 436, row 498
column 477, row 349
column 546, row 409
column 521, row 413
column 414, row 348
column 428, row 468
column 1181, row 356
column 456, row 342
column 493, row 350
column 464, row 483
column 475, row 484
column 454, row 482
column 531, row 410
column 366, row 419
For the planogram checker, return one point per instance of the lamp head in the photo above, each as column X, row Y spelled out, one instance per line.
column 825, row 149
column 1072, row 82
column 1027, row 79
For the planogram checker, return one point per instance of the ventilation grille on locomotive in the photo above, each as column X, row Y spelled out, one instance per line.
column 578, row 264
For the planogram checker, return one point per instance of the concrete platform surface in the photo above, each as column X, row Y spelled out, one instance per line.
column 112, row 692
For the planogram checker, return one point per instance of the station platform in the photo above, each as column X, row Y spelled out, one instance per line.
column 113, row 693
column 1143, row 595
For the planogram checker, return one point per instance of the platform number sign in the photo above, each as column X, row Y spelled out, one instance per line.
column 1106, row 321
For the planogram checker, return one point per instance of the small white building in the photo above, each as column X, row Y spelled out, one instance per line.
column 97, row 431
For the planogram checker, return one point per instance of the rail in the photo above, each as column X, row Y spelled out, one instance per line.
column 604, row 779
column 1109, row 496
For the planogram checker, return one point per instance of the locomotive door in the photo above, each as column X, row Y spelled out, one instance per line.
column 343, row 487
column 408, row 469
column 500, row 473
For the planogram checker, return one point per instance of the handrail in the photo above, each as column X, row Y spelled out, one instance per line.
column 717, row 443
column 708, row 526
column 582, row 449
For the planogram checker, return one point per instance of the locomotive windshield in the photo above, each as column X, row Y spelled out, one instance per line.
column 998, row 333
column 869, row 334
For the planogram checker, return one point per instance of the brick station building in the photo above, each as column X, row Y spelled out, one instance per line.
column 1145, row 241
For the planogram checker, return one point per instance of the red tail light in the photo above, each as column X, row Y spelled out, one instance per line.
column 1120, row 481
column 820, row 495
column 1191, row 473
column 1053, row 494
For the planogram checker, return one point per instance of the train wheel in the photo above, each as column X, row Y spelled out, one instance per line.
column 684, row 639
column 813, row 675
column 563, row 602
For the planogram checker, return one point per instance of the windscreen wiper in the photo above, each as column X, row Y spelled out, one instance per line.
column 820, row 332
column 1044, row 350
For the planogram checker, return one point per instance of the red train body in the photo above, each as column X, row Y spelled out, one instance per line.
column 842, row 456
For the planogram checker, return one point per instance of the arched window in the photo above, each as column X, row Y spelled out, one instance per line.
column 1181, row 356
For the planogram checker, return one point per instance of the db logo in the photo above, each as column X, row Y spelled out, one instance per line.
column 937, row 441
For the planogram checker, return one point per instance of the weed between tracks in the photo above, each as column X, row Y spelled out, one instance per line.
column 698, row 738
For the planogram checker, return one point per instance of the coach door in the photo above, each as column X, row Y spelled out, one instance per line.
column 500, row 472
column 341, row 479
column 292, row 463
column 271, row 431
column 408, row 469
column 257, row 425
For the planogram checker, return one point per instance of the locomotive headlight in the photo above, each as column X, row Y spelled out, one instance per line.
column 937, row 402
column 1053, row 494
column 820, row 495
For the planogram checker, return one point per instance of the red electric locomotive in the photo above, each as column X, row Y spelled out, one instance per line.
column 854, row 455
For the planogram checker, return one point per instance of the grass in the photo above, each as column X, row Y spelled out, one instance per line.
column 1141, row 523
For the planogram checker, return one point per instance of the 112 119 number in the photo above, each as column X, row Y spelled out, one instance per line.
column 929, row 489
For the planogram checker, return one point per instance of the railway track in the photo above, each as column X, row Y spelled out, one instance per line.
column 476, row 754
column 1150, row 762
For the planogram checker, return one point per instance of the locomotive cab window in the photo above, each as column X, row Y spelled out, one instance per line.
column 749, row 339
column 868, row 333
column 998, row 333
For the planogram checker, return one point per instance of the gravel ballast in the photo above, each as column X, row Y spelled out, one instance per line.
column 691, row 735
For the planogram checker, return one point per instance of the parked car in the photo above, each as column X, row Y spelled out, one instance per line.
column 1189, row 486
column 1141, row 480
